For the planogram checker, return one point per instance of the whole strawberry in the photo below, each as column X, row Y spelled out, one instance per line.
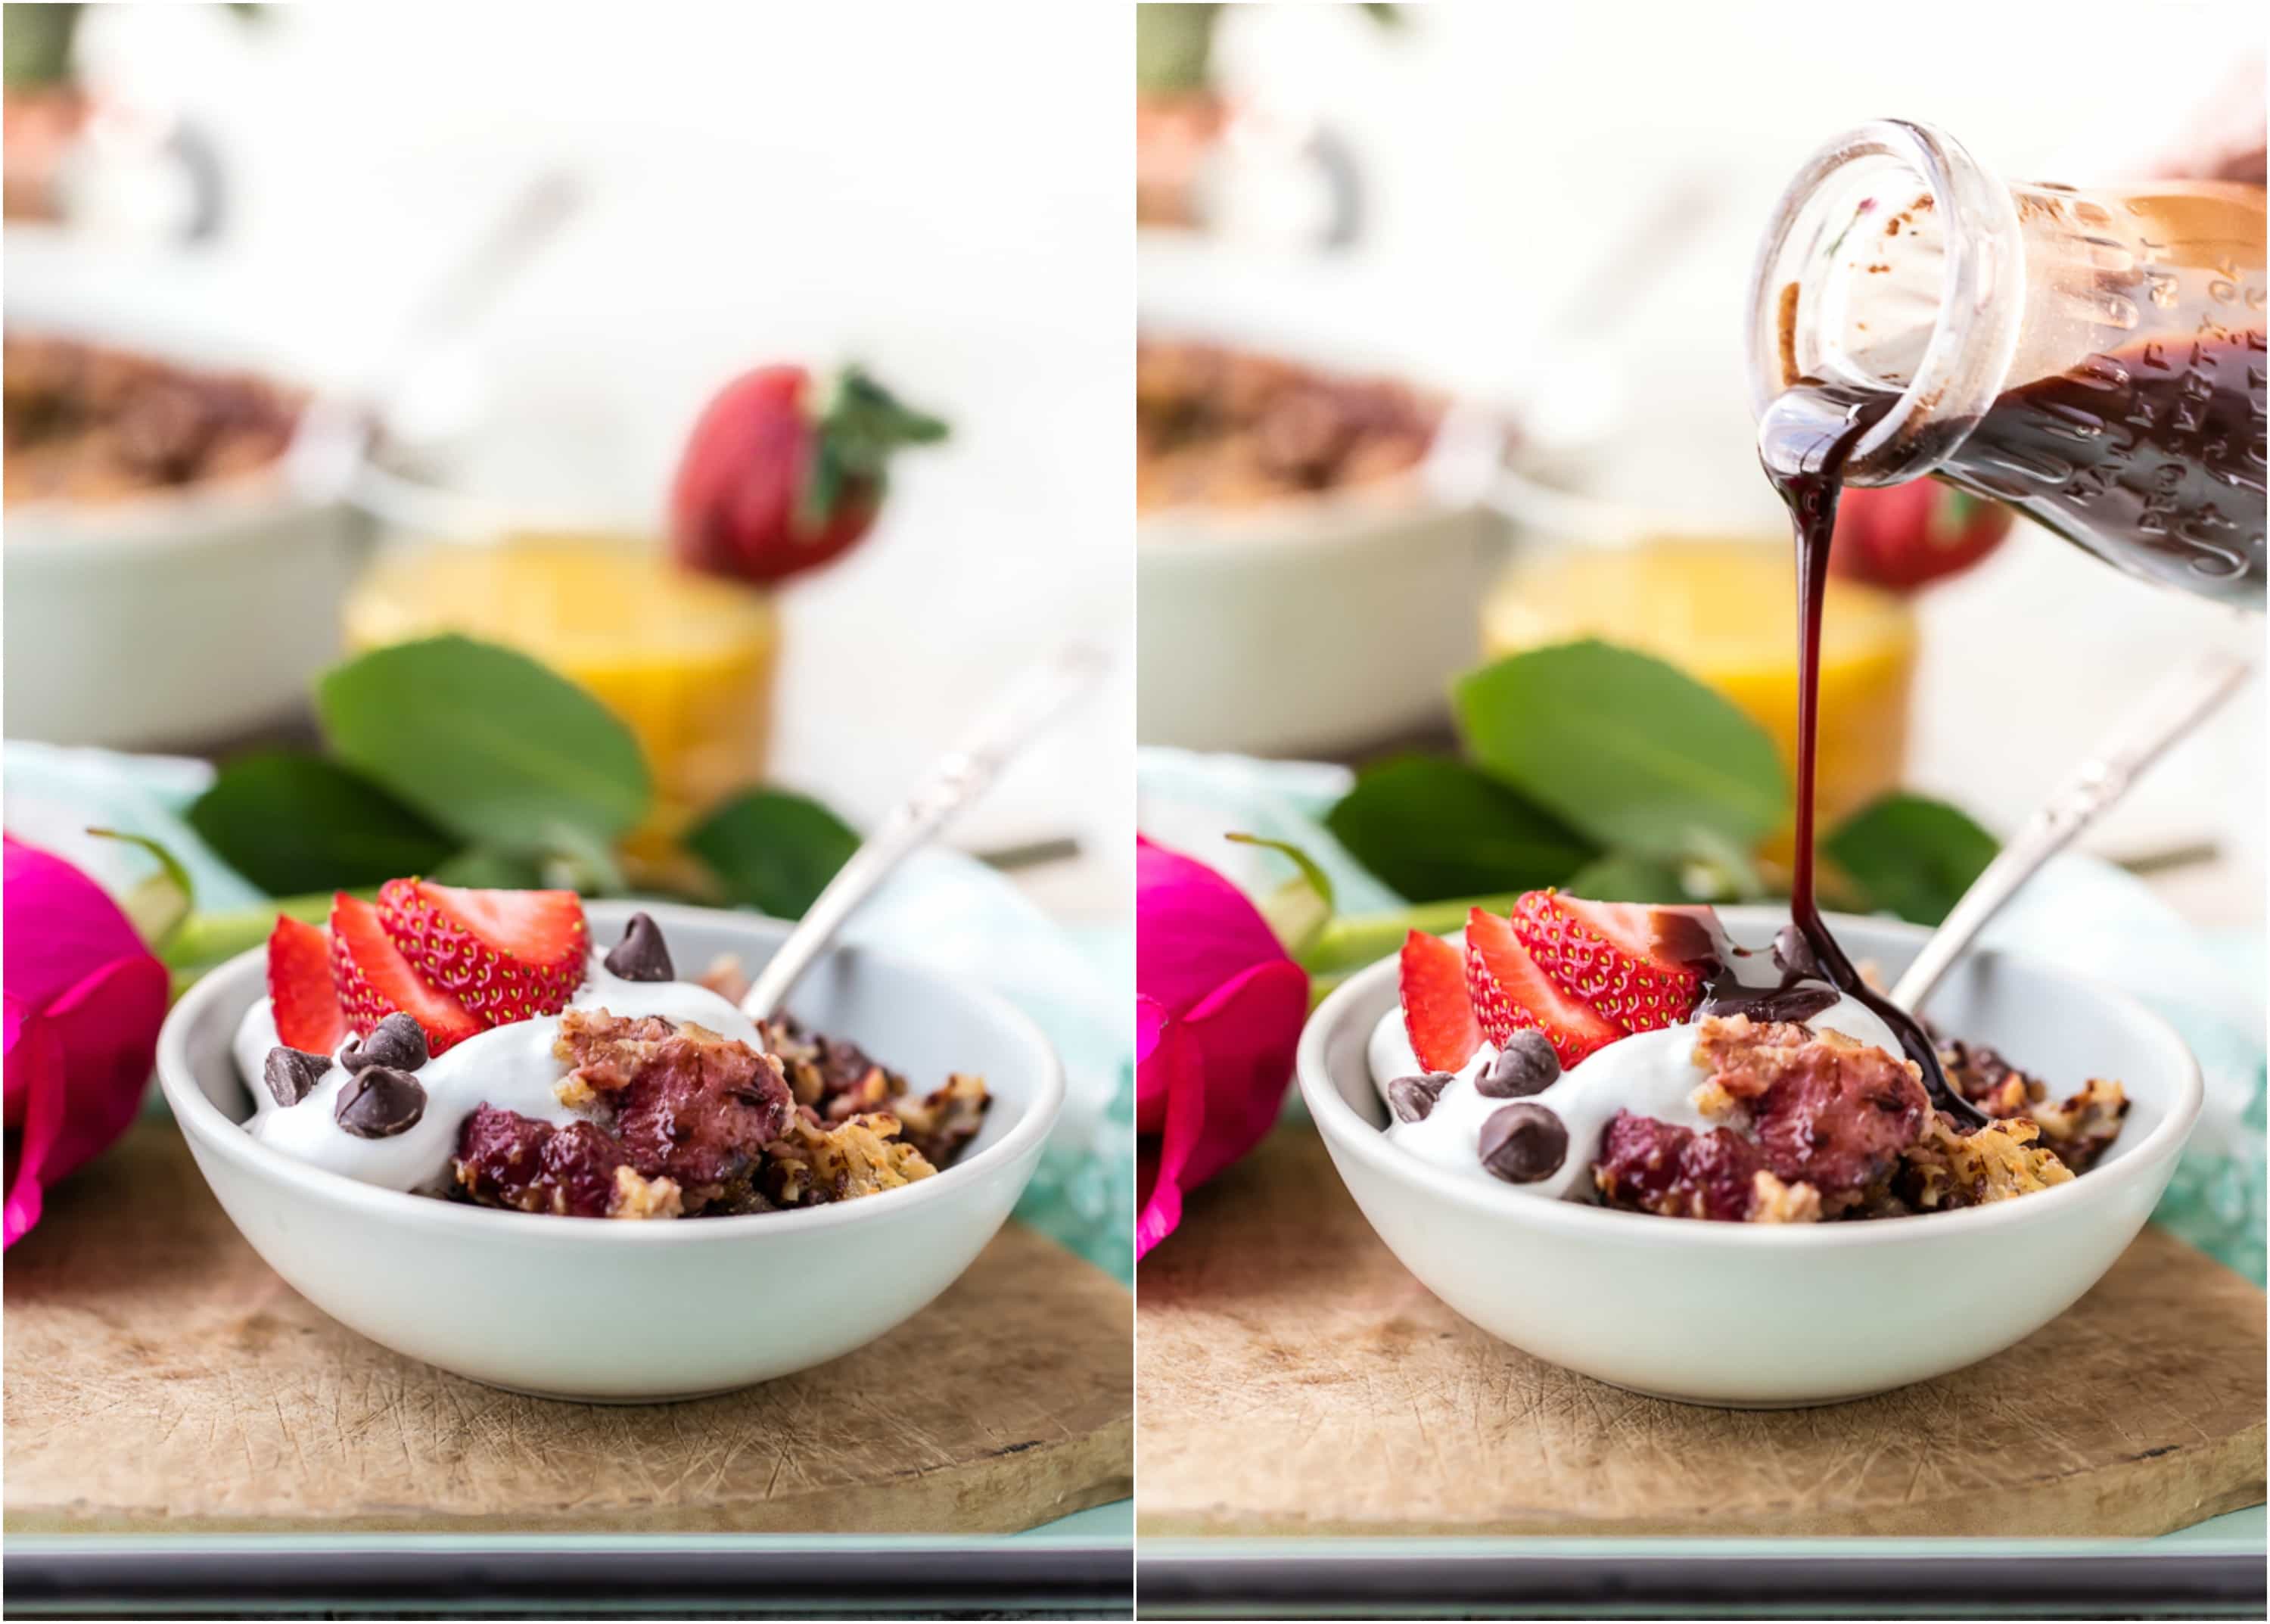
column 782, row 475
column 1906, row 536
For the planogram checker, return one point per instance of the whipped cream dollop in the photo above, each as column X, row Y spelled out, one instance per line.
column 1647, row 1074
column 511, row 1066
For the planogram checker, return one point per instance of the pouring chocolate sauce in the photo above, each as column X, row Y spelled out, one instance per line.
column 1804, row 441
column 2094, row 358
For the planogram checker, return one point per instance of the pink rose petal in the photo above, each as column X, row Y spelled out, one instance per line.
column 1219, row 1011
column 1195, row 929
column 84, row 1002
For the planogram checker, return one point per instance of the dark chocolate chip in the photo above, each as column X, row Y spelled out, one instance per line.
column 642, row 954
column 398, row 1040
column 1411, row 1098
column 1526, row 1065
column 290, row 1072
column 380, row 1103
column 1522, row 1144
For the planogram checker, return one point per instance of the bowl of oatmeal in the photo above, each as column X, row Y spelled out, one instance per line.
column 1307, row 587
column 1733, row 1195
column 173, row 575
column 587, row 1174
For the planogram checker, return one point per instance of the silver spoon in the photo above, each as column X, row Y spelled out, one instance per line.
column 2141, row 736
column 1038, row 698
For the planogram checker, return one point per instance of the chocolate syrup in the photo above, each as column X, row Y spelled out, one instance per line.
column 2150, row 457
column 1804, row 439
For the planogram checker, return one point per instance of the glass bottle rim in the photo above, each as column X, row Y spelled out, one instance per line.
column 1975, row 331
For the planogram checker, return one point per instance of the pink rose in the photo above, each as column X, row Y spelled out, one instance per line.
column 1218, row 1010
column 85, row 998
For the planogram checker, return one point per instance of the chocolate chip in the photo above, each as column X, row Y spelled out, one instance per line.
column 290, row 1072
column 1522, row 1144
column 1526, row 1065
column 1411, row 1098
column 642, row 954
column 398, row 1040
column 380, row 1103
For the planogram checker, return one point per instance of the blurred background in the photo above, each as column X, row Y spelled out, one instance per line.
column 1531, row 216
column 531, row 254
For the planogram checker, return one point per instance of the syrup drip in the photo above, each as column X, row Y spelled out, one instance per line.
column 1803, row 440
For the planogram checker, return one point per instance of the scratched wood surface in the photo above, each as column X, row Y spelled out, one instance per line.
column 161, row 1378
column 1294, row 1378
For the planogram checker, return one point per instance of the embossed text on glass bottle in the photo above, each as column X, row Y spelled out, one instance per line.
column 2093, row 357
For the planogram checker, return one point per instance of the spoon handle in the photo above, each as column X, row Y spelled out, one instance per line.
column 957, row 779
column 2168, row 712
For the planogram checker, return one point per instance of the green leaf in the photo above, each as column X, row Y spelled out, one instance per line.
column 1621, row 878
column 170, row 867
column 861, row 424
column 1319, row 881
column 1300, row 907
column 1432, row 828
column 159, row 904
column 489, row 870
column 1630, row 750
column 291, row 823
column 489, row 744
column 1174, row 47
column 773, row 850
column 1911, row 854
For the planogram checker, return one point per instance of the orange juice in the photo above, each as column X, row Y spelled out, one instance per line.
column 685, row 660
column 1725, row 612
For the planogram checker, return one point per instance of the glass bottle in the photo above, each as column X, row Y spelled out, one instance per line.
column 2092, row 357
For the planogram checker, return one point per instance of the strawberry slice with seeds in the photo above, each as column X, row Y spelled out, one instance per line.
column 1640, row 967
column 373, row 980
column 299, row 991
column 1510, row 992
column 1437, row 1014
column 505, row 955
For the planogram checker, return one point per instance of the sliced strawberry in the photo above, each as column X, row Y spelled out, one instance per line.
column 1436, row 1012
column 308, row 1013
column 373, row 980
column 1510, row 992
column 1636, row 965
column 506, row 955
column 1675, row 941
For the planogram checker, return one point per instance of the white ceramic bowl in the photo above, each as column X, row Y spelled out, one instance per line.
column 590, row 1310
column 178, row 617
column 1308, row 627
column 1329, row 624
column 1759, row 1316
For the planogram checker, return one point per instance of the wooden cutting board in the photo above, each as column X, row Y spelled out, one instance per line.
column 161, row 1378
column 1295, row 1379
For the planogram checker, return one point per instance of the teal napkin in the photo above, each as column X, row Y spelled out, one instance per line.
column 2079, row 913
column 942, row 909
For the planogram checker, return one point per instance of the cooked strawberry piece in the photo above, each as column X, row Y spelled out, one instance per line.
column 1510, row 992
column 1437, row 1011
column 373, row 980
column 505, row 955
column 308, row 1013
column 1672, row 1171
column 1640, row 967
